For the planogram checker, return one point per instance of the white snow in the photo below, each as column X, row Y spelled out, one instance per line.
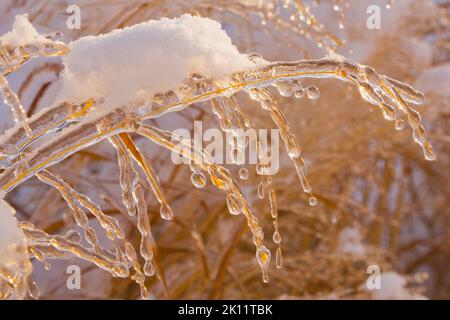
column 335, row 57
column 22, row 33
column 393, row 287
column 350, row 242
column 13, row 254
column 154, row 56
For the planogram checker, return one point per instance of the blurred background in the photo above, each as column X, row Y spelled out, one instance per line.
column 379, row 201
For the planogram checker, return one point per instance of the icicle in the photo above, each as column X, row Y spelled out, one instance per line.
column 220, row 177
column 276, row 237
column 128, row 176
column 263, row 258
column 290, row 142
column 220, row 111
column 152, row 178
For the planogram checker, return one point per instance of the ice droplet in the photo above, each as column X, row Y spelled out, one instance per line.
column 198, row 180
column 399, row 124
column 166, row 212
column 276, row 237
column 313, row 92
column 243, row 173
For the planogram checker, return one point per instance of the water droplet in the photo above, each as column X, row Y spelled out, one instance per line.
column 166, row 212
column 276, row 237
column 300, row 93
column 399, row 124
column 284, row 88
column 149, row 268
column 198, row 180
column 313, row 92
column 312, row 201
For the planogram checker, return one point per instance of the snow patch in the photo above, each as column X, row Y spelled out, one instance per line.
column 22, row 33
column 335, row 57
column 154, row 56
column 13, row 247
column 393, row 287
